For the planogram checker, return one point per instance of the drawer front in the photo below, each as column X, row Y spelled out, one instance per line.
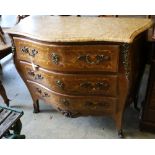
column 68, row 57
column 81, row 105
column 87, row 84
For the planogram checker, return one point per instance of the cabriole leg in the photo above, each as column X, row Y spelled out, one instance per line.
column 120, row 133
column 36, row 106
column 119, row 122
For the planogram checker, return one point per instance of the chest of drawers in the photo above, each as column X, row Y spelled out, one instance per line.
column 81, row 65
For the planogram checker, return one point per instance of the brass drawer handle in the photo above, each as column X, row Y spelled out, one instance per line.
column 25, row 49
column 68, row 113
column 38, row 77
column 43, row 94
column 31, row 52
column 55, row 58
column 97, row 104
column 87, row 85
column 102, row 85
column 35, row 76
column 60, row 84
column 97, row 86
column 99, row 59
column 65, row 102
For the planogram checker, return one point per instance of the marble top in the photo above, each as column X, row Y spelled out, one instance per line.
column 81, row 29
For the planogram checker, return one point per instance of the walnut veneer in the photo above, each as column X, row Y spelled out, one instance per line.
column 81, row 65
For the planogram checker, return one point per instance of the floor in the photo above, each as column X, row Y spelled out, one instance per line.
column 50, row 124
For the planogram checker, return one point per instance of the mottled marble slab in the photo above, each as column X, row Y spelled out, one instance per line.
column 81, row 29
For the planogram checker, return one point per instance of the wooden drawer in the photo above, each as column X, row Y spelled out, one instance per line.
column 74, row 84
column 82, row 105
column 68, row 57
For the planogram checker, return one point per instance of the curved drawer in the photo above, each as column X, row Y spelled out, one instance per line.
column 75, row 84
column 73, row 105
column 68, row 57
